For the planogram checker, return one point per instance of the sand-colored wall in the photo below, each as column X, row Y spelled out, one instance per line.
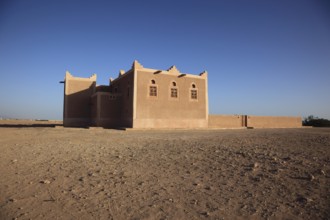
column 273, row 122
column 242, row 121
column 124, row 86
column 164, row 111
column 226, row 121
column 77, row 103
column 109, row 103
column 105, row 109
column 114, row 108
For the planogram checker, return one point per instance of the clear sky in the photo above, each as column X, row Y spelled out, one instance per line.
column 263, row 57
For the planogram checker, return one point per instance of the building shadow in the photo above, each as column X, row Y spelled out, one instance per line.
column 34, row 125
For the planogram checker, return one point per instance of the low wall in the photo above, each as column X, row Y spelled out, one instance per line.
column 170, row 123
column 226, row 121
column 273, row 122
column 242, row 121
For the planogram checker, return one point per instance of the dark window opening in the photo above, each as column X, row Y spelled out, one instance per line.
column 174, row 93
column 193, row 94
column 153, row 91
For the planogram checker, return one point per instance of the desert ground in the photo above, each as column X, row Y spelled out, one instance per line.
column 50, row 172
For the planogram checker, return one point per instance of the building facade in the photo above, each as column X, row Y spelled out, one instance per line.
column 138, row 98
column 151, row 98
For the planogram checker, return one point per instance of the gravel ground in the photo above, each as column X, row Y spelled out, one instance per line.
column 75, row 173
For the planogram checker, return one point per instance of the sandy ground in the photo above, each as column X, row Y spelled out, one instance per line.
column 67, row 173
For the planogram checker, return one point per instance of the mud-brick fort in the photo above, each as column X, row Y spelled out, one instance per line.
column 152, row 98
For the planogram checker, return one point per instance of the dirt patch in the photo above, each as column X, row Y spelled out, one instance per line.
column 72, row 173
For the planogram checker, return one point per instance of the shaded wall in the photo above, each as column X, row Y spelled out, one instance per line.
column 106, row 110
column 77, row 102
column 124, row 88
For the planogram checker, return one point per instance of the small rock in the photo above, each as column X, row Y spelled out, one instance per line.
column 45, row 181
column 194, row 202
column 11, row 200
column 322, row 172
column 205, row 214
column 287, row 158
column 14, row 161
column 301, row 199
column 311, row 177
column 256, row 165
column 208, row 188
column 91, row 174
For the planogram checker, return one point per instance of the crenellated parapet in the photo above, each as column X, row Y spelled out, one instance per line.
column 136, row 65
column 173, row 70
column 121, row 72
column 93, row 77
column 68, row 76
column 203, row 74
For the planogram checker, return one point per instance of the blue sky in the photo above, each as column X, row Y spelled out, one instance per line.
column 263, row 57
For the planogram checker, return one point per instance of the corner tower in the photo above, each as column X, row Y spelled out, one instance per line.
column 77, row 93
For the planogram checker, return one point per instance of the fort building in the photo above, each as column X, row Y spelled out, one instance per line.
column 152, row 98
column 138, row 98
